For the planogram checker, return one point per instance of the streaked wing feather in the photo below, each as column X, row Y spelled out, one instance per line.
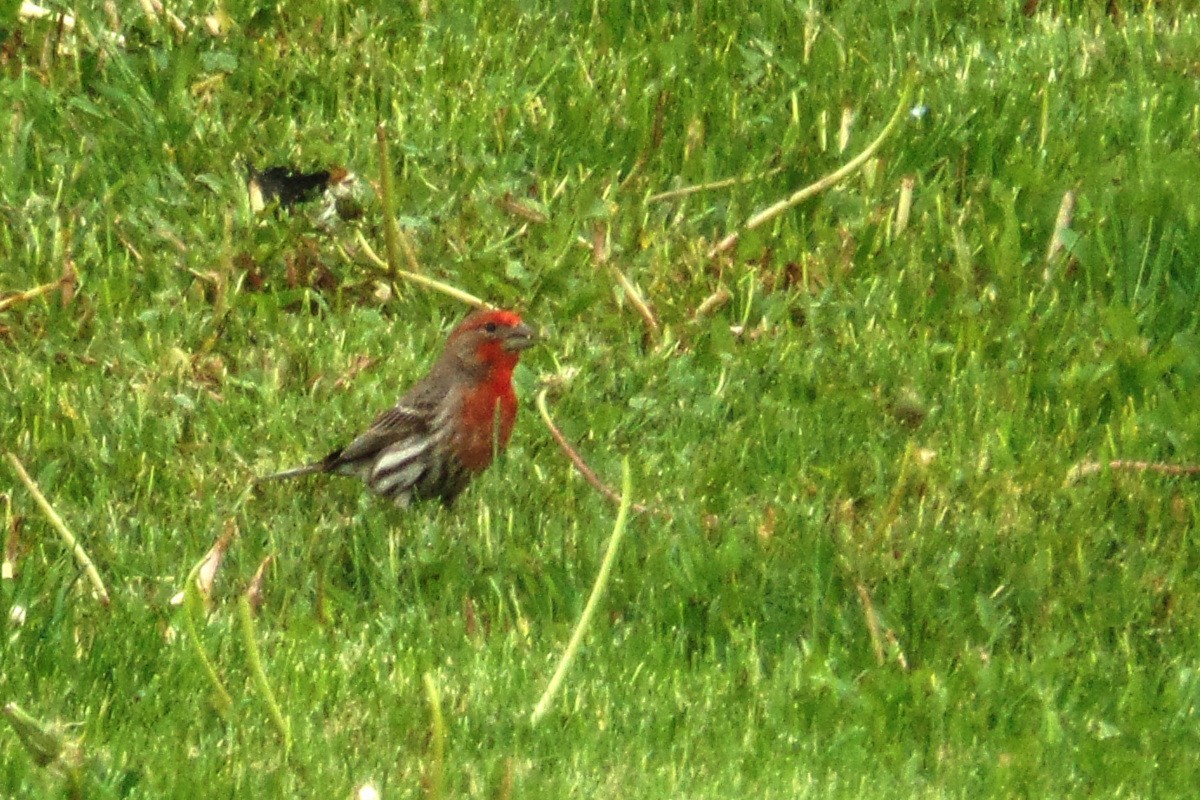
column 401, row 418
column 392, row 426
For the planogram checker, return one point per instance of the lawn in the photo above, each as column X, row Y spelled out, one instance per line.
column 900, row 543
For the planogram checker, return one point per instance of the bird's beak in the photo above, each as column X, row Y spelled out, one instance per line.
column 520, row 338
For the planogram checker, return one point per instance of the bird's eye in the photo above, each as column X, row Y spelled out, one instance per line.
column 490, row 327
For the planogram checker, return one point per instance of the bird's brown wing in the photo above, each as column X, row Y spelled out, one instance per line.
column 394, row 426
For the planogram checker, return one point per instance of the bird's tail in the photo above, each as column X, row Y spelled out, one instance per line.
column 307, row 469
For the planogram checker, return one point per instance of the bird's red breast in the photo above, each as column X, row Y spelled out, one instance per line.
column 488, row 413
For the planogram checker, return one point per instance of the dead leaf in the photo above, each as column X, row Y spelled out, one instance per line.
column 207, row 575
column 254, row 593
column 218, row 24
column 12, row 544
column 766, row 527
column 522, row 209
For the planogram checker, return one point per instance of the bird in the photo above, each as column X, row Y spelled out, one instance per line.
column 449, row 426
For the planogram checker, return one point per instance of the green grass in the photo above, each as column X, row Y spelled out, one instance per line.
column 898, row 414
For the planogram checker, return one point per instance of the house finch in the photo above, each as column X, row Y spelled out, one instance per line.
column 447, row 427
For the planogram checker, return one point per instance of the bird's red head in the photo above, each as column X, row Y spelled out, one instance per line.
column 493, row 338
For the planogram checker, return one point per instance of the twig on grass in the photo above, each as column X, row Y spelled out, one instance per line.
column 504, row 791
column 589, row 610
column 68, row 282
column 773, row 211
column 1086, row 468
column 31, row 294
column 429, row 283
column 588, row 474
column 85, row 561
column 8, row 567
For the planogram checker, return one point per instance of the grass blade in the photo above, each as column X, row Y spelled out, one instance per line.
column 589, row 610
column 435, row 775
column 250, row 640
column 193, row 608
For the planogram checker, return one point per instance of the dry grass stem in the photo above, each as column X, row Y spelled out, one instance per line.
column 724, row 183
column 601, row 260
column 30, row 294
column 635, row 298
column 770, row 213
column 428, row 283
column 587, row 472
column 715, row 301
column 85, row 561
column 1087, row 468
column 521, row 210
column 894, row 643
column 872, row 622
